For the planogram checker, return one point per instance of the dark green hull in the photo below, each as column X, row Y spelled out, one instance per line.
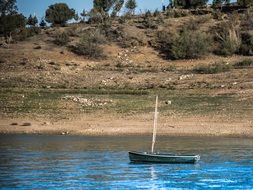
column 144, row 157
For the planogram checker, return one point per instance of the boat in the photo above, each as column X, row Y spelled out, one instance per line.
column 156, row 157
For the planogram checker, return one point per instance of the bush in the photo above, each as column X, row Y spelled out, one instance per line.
column 212, row 69
column 244, row 64
column 149, row 23
column 62, row 39
column 89, row 45
column 128, row 37
column 27, row 33
column 175, row 13
column 185, row 44
column 247, row 44
column 247, row 20
column 228, row 37
column 190, row 44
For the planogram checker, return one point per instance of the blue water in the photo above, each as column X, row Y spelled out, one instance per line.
column 61, row 162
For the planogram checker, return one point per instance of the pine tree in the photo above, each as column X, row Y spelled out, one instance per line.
column 131, row 6
column 43, row 23
column 117, row 7
column 8, row 7
column 59, row 14
column 32, row 21
column 103, row 5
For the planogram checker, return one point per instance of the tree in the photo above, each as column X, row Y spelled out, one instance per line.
column 11, row 23
column 32, row 21
column 245, row 2
column 189, row 3
column 103, row 5
column 84, row 14
column 131, row 6
column 43, row 23
column 59, row 14
column 117, row 7
column 8, row 7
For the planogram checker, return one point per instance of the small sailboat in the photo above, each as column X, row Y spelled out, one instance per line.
column 155, row 157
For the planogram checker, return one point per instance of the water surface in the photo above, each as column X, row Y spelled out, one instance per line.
column 75, row 162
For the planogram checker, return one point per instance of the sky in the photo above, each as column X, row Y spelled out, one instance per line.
column 38, row 7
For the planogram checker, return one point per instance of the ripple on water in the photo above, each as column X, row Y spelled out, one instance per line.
column 44, row 162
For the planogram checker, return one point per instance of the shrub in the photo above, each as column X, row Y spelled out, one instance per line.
column 128, row 37
column 27, row 33
column 247, row 20
column 228, row 37
column 192, row 24
column 175, row 13
column 190, row 44
column 186, row 44
column 89, row 45
column 247, row 44
column 212, row 69
column 149, row 23
column 244, row 64
column 61, row 39
column 147, row 14
column 156, row 13
column 122, row 19
column 217, row 14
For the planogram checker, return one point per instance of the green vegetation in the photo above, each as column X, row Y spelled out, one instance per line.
column 188, row 4
column 11, row 23
column 131, row 6
column 186, row 45
column 213, row 68
column 117, row 7
column 32, row 20
column 244, row 64
column 245, row 2
column 43, row 23
column 228, row 36
column 89, row 45
column 8, row 7
column 247, row 44
column 59, row 14
column 45, row 103
column 62, row 39
column 190, row 44
column 103, row 5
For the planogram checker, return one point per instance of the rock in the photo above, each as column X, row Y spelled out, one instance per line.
column 46, row 123
column 52, row 63
column 65, row 133
column 182, row 77
column 14, row 123
column 37, row 47
column 26, row 124
column 168, row 102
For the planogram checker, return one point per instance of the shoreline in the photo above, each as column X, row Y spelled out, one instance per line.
column 89, row 125
column 129, row 135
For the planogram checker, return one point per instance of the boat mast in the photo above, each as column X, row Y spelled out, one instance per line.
column 155, row 126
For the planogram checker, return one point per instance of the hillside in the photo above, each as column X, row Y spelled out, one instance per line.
column 58, row 91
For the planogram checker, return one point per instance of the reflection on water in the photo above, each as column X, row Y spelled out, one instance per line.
column 56, row 162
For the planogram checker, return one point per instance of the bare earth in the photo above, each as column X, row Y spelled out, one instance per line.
column 96, row 125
